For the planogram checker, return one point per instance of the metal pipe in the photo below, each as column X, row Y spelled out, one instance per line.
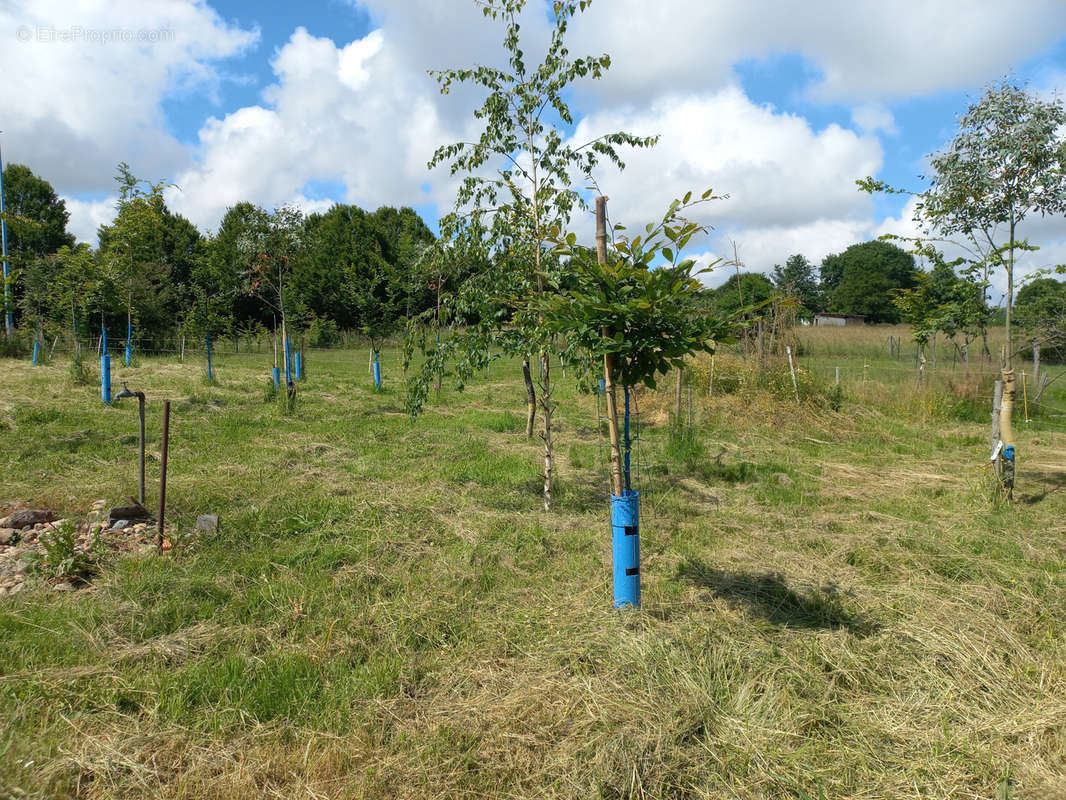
column 140, row 410
column 163, row 471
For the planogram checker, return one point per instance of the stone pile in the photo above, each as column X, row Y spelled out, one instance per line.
column 24, row 531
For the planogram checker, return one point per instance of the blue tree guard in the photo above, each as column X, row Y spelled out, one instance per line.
column 277, row 378
column 36, row 349
column 129, row 342
column 625, row 548
column 210, row 372
column 103, row 340
column 105, row 378
column 297, row 362
column 603, row 387
column 377, row 372
column 288, row 363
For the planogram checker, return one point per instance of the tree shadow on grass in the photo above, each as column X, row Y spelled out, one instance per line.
column 1050, row 482
column 769, row 596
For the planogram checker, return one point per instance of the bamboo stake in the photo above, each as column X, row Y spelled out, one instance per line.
column 1025, row 400
column 608, row 362
column 792, row 369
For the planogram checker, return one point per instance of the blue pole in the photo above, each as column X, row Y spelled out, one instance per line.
column 625, row 441
column 36, row 348
column 288, row 362
column 377, row 372
column 105, row 378
column 9, row 322
column 277, row 378
column 297, row 363
column 625, row 548
column 210, row 374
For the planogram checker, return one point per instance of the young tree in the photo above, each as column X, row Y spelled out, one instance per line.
column 1007, row 161
column 270, row 246
column 531, row 188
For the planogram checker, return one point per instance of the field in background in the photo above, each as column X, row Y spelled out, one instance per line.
column 832, row 606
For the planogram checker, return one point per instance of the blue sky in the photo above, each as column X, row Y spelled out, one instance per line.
column 781, row 105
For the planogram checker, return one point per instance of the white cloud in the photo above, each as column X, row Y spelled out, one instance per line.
column 873, row 117
column 350, row 114
column 786, row 182
column 86, row 216
column 865, row 49
column 87, row 80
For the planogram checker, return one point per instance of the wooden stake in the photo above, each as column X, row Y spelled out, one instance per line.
column 792, row 369
column 1006, row 431
column 617, row 487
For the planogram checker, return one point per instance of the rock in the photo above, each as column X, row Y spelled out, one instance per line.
column 8, row 535
column 118, row 525
column 18, row 587
column 207, row 523
column 29, row 517
column 65, row 586
column 135, row 512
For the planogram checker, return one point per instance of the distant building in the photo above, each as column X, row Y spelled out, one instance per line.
column 839, row 319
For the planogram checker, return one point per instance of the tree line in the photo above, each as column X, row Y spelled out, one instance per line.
column 153, row 273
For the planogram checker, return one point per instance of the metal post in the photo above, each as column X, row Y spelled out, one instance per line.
column 140, row 413
column 163, row 471
column 210, row 375
column 105, row 378
column 9, row 322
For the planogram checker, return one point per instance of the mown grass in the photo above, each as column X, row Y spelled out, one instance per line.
column 832, row 607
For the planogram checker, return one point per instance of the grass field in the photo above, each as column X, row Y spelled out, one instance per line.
column 833, row 608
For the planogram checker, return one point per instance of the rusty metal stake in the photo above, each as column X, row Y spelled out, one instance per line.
column 163, row 471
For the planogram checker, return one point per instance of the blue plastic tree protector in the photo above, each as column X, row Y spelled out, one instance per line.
column 105, row 378
column 210, row 374
column 297, row 362
column 288, row 363
column 625, row 548
column 103, row 340
column 277, row 378
column 626, row 445
column 377, row 371
column 36, row 348
column 603, row 386
column 129, row 342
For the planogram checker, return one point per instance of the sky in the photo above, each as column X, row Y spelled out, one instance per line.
column 779, row 104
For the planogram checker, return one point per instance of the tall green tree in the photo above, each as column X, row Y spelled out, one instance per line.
column 36, row 220
column 520, row 176
column 871, row 273
column 797, row 280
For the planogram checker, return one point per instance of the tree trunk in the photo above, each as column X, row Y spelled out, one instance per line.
column 997, row 409
column 677, row 397
column 1006, row 433
column 617, row 486
column 546, row 409
column 531, row 398
column 1036, row 363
